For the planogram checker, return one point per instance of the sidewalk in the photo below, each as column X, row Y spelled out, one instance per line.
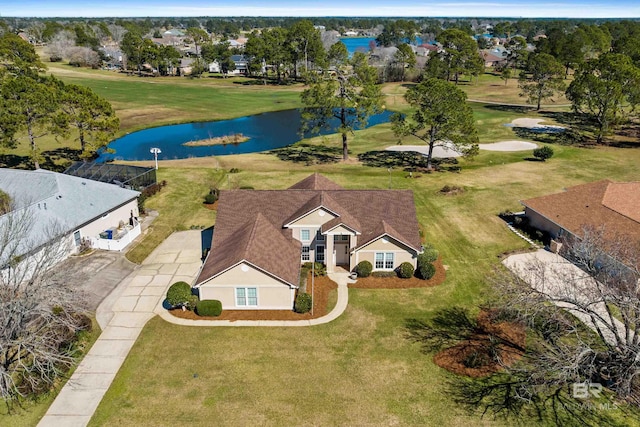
column 122, row 315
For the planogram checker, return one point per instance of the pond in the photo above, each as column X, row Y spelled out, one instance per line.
column 265, row 132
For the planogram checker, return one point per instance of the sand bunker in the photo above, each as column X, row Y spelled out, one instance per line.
column 443, row 152
column 534, row 124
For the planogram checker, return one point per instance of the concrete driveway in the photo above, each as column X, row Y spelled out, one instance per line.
column 568, row 287
column 97, row 275
column 122, row 315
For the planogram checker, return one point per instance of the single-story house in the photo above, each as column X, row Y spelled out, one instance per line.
column 80, row 210
column 262, row 237
column 614, row 206
column 492, row 58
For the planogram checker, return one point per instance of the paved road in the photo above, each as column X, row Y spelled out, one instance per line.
column 122, row 315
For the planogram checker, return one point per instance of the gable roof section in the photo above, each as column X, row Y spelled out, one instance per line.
column 58, row 202
column 316, row 182
column 614, row 206
column 254, row 242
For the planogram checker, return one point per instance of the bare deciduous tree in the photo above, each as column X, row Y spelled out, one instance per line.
column 58, row 48
column 40, row 315
column 581, row 319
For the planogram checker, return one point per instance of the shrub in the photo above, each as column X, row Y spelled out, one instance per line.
column 209, row 307
column 210, row 199
column 193, row 302
column 427, row 270
column 428, row 255
column 303, row 303
column 405, row 270
column 363, row 269
column 319, row 269
column 543, row 153
column 234, row 170
column 179, row 294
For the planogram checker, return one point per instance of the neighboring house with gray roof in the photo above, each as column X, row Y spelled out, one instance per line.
column 262, row 237
column 81, row 210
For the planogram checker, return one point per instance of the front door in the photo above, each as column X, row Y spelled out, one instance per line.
column 342, row 253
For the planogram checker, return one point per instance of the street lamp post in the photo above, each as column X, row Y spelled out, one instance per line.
column 155, row 152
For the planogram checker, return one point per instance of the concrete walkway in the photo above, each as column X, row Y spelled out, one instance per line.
column 342, row 279
column 568, row 287
column 122, row 315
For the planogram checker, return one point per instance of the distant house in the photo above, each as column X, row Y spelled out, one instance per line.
column 350, row 33
column 242, row 64
column 492, row 58
column 80, row 210
column 175, row 32
column 186, row 66
column 612, row 205
column 262, row 237
column 430, row 48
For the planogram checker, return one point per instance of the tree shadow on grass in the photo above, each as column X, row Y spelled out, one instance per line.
column 308, row 154
column 60, row 159
column 409, row 161
column 563, row 137
column 15, row 162
column 520, row 109
column 497, row 390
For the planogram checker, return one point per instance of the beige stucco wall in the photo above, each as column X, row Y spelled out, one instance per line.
column 540, row 222
column 272, row 293
column 400, row 251
column 113, row 219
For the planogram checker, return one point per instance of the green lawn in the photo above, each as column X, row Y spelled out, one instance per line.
column 360, row 369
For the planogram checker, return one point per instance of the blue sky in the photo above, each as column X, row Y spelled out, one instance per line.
column 490, row 8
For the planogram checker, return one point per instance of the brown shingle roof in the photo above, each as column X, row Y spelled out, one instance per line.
column 614, row 206
column 257, row 242
column 315, row 182
column 249, row 223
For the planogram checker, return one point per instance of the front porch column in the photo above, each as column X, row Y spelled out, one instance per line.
column 353, row 242
column 330, row 256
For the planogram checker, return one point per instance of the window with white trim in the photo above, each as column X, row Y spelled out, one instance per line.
column 305, row 235
column 305, row 254
column 247, row 297
column 319, row 236
column 384, row 261
column 338, row 238
column 320, row 253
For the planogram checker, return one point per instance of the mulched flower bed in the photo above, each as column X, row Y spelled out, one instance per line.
column 477, row 350
column 321, row 289
column 398, row 283
column 211, row 206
